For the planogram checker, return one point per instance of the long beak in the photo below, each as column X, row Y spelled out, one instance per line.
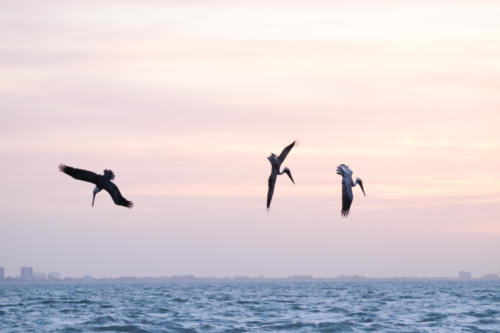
column 362, row 188
column 289, row 174
column 93, row 198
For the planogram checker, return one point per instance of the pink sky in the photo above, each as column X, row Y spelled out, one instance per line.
column 185, row 102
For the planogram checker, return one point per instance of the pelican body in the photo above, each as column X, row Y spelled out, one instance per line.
column 347, row 185
column 102, row 182
column 276, row 162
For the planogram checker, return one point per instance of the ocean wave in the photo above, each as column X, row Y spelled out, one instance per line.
column 290, row 326
column 344, row 326
column 336, row 309
column 486, row 313
column 219, row 307
column 432, row 316
column 119, row 328
column 100, row 320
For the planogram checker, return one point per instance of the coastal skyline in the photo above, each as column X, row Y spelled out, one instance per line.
column 29, row 274
column 184, row 102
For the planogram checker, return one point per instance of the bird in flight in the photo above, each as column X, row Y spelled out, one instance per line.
column 347, row 185
column 102, row 182
column 276, row 162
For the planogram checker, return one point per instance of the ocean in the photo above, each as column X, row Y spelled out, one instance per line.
column 422, row 306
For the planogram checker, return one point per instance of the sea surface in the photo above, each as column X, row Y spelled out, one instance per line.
column 430, row 306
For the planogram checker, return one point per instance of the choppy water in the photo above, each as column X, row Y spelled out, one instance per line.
column 240, row 307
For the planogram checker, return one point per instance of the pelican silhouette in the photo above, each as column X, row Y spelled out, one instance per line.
column 347, row 185
column 276, row 162
column 101, row 182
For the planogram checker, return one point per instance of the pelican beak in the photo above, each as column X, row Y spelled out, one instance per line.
column 93, row 198
column 362, row 188
column 289, row 173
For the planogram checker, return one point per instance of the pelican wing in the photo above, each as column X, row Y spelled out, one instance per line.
column 285, row 152
column 346, row 197
column 80, row 174
column 270, row 188
column 115, row 194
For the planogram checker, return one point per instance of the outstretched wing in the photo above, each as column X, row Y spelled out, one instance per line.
column 270, row 188
column 285, row 152
column 117, row 197
column 80, row 174
column 346, row 198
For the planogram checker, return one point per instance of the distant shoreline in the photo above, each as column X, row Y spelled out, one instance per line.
column 241, row 279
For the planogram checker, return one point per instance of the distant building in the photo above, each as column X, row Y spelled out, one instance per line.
column 26, row 273
column 53, row 276
column 183, row 278
column 2, row 273
column 242, row 278
column 300, row 277
column 39, row 276
column 463, row 275
column 490, row 277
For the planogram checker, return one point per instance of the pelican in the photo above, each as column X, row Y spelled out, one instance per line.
column 101, row 182
column 275, row 171
column 347, row 185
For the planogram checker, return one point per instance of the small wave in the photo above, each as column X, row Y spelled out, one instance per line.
column 432, row 316
column 82, row 301
column 487, row 321
column 220, row 297
column 297, row 307
column 235, row 330
column 473, row 329
column 344, row 326
column 377, row 327
column 70, row 329
column 255, row 323
column 180, row 300
column 486, row 313
column 247, row 302
column 120, row 328
column 48, row 301
column 291, row 326
column 368, row 295
column 336, row 309
column 362, row 317
column 7, row 305
column 370, row 308
column 69, row 310
column 100, row 320
column 284, row 301
column 162, row 310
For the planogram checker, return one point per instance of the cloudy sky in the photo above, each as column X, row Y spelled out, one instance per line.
column 185, row 100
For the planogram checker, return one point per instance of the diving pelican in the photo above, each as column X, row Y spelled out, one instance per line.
column 101, row 182
column 275, row 171
column 347, row 185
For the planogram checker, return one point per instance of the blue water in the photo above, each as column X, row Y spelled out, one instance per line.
column 240, row 307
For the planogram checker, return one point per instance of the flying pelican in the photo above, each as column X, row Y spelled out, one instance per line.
column 275, row 171
column 347, row 185
column 101, row 182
